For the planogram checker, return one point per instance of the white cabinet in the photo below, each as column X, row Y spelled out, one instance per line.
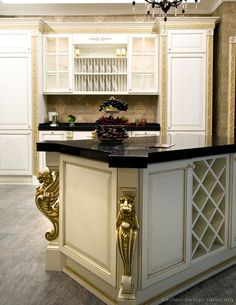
column 166, row 226
column 186, row 41
column 15, row 106
column 57, row 63
column 187, row 77
column 143, row 71
column 15, row 41
column 15, row 91
column 82, row 135
column 100, row 63
column 51, row 136
column 15, row 152
column 186, row 91
column 233, row 219
column 144, row 133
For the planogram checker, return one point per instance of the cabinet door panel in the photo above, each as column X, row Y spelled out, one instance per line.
column 186, row 92
column 15, row 41
column 15, row 153
column 15, row 91
column 166, row 225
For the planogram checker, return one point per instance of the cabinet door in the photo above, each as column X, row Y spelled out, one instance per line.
column 145, row 133
column 82, row 135
column 51, row 136
column 187, row 41
column 143, row 64
column 15, row 153
column 15, row 41
column 186, row 92
column 166, row 222
column 233, row 235
column 57, row 63
column 15, row 91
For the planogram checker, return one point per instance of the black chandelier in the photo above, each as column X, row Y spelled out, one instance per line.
column 164, row 6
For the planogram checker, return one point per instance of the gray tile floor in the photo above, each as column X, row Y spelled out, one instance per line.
column 23, row 280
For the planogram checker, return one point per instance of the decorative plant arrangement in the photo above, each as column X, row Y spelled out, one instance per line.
column 111, row 129
column 71, row 119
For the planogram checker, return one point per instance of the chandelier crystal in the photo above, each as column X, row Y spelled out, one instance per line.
column 164, row 6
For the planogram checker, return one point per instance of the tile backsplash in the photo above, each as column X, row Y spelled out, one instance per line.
column 85, row 107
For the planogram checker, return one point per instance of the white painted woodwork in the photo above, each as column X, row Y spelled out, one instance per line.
column 210, row 206
column 88, row 215
column 82, row 135
column 15, row 91
column 143, row 64
column 189, row 41
column 166, row 220
column 57, row 63
column 105, row 39
column 233, row 212
column 186, row 91
column 145, row 133
column 15, row 41
column 51, row 136
column 15, row 152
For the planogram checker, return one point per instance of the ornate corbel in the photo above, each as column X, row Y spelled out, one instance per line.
column 127, row 229
column 46, row 200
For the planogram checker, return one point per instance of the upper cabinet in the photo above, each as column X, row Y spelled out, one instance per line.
column 15, row 41
column 101, row 64
column 143, row 64
column 57, row 63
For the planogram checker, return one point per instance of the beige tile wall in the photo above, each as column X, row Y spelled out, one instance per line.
column 85, row 107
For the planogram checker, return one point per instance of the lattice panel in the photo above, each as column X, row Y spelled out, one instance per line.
column 208, row 209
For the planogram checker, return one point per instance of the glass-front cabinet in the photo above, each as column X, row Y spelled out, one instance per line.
column 101, row 63
column 143, row 64
column 57, row 63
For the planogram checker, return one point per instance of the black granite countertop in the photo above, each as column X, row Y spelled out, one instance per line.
column 138, row 152
column 91, row 127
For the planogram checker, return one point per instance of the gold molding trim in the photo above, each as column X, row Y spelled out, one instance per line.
column 35, row 102
column 127, row 230
column 209, row 85
column 46, row 200
column 231, row 87
column 163, row 103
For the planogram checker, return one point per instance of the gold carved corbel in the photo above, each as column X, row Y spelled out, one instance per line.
column 46, row 200
column 127, row 229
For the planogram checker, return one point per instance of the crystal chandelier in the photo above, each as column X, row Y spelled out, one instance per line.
column 164, row 6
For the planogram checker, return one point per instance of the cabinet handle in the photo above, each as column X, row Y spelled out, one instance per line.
column 234, row 238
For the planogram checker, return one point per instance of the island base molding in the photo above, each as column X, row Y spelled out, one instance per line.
column 158, row 296
column 138, row 236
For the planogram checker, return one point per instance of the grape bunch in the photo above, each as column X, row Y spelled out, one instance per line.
column 111, row 133
column 113, row 104
column 110, row 120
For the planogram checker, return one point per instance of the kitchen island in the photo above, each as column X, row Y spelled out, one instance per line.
column 140, row 222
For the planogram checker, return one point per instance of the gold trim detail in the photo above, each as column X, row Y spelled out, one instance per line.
column 35, row 102
column 163, row 76
column 126, row 227
column 127, row 230
column 232, row 79
column 46, row 200
column 209, row 85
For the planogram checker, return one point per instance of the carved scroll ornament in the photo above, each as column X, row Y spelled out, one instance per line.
column 46, row 200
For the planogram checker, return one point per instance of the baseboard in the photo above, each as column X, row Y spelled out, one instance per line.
column 54, row 259
column 16, row 180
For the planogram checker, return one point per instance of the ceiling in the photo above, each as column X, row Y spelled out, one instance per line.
column 95, row 7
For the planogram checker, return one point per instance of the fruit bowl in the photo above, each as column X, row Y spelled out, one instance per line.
column 111, row 134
